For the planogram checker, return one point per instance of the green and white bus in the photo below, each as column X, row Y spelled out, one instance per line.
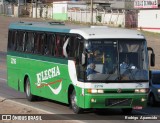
column 93, row 67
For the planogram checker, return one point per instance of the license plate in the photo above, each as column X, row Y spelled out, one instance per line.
column 137, row 107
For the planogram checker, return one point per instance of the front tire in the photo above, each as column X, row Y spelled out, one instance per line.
column 127, row 110
column 29, row 95
column 73, row 103
column 152, row 101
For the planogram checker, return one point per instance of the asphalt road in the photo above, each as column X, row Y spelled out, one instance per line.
column 63, row 110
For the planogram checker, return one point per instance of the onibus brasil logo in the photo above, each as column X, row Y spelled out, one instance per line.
column 46, row 75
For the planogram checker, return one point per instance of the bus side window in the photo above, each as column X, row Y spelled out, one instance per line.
column 12, row 40
column 72, row 47
column 52, row 44
column 60, row 39
column 39, row 43
column 49, row 44
column 42, row 42
column 29, row 44
column 20, row 41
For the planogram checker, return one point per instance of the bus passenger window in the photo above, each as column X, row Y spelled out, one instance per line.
column 12, row 40
column 73, row 47
column 20, row 41
column 38, row 45
column 52, row 44
column 49, row 44
column 60, row 39
column 29, row 44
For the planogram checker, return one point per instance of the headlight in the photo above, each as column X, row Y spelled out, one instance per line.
column 143, row 90
column 158, row 90
column 95, row 91
column 136, row 90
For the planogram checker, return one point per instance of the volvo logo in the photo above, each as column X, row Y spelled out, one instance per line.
column 139, row 85
column 119, row 90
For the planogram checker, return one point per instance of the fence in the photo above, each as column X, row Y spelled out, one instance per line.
column 42, row 12
column 119, row 18
column 29, row 10
column 6, row 9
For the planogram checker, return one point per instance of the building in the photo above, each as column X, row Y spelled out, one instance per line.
column 51, row 1
column 117, row 4
column 122, row 4
column 149, row 16
column 60, row 9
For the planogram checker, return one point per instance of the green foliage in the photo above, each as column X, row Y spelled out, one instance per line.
column 119, row 25
column 99, row 18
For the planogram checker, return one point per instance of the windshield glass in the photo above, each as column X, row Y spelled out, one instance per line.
column 109, row 59
column 156, row 78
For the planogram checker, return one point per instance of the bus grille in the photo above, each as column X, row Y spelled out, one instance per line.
column 118, row 102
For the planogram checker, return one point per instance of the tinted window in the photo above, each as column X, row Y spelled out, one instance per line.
column 20, row 41
column 39, row 43
column 49, row 45
column 156, row 78
column 12, row 37
column 29, row 44
column 58, row 49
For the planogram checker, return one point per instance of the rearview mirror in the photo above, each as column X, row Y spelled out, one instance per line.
column 152, row 59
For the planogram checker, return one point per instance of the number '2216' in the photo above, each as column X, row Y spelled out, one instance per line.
column 13, row 61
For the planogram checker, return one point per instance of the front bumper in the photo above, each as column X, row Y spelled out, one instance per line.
column 115, row 100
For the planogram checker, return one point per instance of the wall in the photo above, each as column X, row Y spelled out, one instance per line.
column 60, row 11
column 149, row 20
column 42, row 12
column 111, row 18
column 7, row 9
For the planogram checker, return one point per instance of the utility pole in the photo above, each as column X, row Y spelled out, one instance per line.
column 25, row 2
column 18, row 8
column 91, row 12
column 36, row 7
column 32, row 9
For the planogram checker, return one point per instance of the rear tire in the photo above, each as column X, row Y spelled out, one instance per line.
column 29, row 95
column 73, row 103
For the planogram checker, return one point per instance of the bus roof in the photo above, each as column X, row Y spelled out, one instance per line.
column 113, row 33
column 94, row 32
column 40, row 26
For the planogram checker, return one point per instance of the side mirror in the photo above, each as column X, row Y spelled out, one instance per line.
column 152, row 59
column 83, row 59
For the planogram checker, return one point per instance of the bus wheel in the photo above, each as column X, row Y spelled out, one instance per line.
column 73, row 101
column 127, row 110
column 29, row 96
column 151, row 100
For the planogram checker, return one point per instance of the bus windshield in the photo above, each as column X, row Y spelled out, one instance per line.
column 121, row 59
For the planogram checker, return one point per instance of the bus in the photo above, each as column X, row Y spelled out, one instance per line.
column 94, row 67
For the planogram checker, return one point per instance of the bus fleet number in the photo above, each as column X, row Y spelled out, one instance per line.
column 13, row 61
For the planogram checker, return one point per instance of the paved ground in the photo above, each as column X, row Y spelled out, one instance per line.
column 9, row 106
